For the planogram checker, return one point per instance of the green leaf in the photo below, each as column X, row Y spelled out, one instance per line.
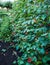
column 43, row 17
column 49, row 36
column 14, row 62
column 21, row 62
column 3, row 50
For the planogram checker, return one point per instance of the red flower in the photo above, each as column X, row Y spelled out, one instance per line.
column 46, row 52
column 40, row 58
column 29, row 60
column 11, row 43
column 13, row 33
column 48, row 24
column 26, row 33
column 46, row 12
column 35, row 20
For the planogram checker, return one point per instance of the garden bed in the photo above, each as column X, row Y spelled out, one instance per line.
column 25, row 33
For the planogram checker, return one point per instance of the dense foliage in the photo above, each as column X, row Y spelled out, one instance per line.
column 29, row 27
column 6, row 4
column 32, row 31
column 4, row 25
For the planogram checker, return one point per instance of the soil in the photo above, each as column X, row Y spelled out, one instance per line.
column 8, row 55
